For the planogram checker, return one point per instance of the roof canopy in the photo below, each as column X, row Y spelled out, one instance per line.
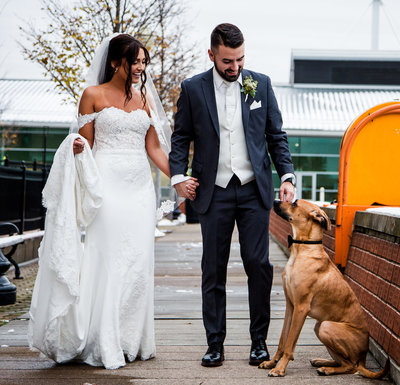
column 315, row 110
column 327, row 109
column 33, row 103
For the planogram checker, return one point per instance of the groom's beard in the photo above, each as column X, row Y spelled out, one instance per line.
column 226, row 75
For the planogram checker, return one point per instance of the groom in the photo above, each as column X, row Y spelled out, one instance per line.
column 235, row 133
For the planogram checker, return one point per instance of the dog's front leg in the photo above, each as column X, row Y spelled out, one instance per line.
column 299, row 316
column 284, row 334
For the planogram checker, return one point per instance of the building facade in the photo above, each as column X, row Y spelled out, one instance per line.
column 34, row 118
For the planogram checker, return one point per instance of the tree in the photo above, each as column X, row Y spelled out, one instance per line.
column 65, row 49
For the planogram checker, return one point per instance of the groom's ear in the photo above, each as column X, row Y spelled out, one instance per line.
column 211, row 55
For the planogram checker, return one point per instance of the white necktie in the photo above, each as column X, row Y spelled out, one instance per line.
column 230, row 101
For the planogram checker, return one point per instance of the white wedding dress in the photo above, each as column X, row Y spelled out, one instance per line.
column 113, row 319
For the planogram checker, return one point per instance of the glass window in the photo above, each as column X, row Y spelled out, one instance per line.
column 28, row 143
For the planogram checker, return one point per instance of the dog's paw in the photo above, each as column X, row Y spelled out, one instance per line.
column 276, row 373
column 267, row 365
column 322, row 372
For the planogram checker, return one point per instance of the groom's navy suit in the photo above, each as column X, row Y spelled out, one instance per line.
column 219, row 208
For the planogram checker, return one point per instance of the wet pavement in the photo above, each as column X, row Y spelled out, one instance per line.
column 180, row 336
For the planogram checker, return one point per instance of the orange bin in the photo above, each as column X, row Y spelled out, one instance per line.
column 369, row 169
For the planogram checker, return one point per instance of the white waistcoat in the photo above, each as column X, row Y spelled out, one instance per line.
column 233, row 154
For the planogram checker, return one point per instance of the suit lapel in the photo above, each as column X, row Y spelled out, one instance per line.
column 245, row 105
column 209, row 94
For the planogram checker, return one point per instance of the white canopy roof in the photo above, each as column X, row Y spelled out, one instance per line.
column 33, row 103
column 325, row 110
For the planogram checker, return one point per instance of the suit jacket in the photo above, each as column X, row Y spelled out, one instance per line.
column 197, row 120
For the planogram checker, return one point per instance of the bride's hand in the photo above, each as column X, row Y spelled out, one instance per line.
column 78, row 146
column 187, row 189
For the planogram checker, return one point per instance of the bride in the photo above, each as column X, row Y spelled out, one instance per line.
column 96, row 306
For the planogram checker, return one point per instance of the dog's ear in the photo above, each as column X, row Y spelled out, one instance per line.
column 321, row 217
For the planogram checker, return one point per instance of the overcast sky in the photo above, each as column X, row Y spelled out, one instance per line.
column 272, row 28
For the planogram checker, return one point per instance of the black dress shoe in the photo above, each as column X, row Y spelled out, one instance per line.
column 258, row 353
column 214, row 355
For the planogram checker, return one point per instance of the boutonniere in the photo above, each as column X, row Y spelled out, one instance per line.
column 249, row 87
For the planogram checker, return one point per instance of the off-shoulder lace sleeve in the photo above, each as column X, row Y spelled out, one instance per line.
column 85, row 119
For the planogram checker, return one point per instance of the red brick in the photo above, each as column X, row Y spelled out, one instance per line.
column 362, row 276
column 383, row 289
column 385, row 337
column 358, row 240
column 394, row 348
column 329, row 242
column 354, row 255
column 350, row 270
column 396, row 275
column 391, row 251
column 331, row 232
column 396, row 254
column 373, row 327
column 369, row 261
column 385, row 269
column 370, row 244
column 394, row 296
column 396, row 321
column 374, row 305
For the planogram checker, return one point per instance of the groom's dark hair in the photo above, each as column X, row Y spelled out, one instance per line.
column 226, row 34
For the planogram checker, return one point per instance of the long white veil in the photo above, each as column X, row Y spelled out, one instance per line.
column 95, row 76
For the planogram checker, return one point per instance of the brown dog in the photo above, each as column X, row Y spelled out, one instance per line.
column 315, row 287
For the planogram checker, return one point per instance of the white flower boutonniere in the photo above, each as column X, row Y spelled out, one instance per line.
column 249, row 87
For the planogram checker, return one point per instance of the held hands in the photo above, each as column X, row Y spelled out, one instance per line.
column 78, row 146
column 286, row 192
column 187, row 188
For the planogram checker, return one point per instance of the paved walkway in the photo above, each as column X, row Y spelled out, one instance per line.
column 179, row 331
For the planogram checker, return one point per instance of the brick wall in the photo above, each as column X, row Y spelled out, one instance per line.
column 280, row 229
column 372, row 270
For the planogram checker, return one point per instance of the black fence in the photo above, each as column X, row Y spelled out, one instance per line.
column 21, row 185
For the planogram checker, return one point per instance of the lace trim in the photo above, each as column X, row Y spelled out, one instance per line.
column 85, row 119
column 165, row 208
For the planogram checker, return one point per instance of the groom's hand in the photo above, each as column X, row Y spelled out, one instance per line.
column 187, row 189
column 286, row 192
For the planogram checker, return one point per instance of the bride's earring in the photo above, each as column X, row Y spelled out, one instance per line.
column 116, row 69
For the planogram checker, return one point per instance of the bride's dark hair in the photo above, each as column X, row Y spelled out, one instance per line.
column 126, row 46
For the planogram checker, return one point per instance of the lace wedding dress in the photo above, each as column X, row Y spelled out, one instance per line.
column 113, row 319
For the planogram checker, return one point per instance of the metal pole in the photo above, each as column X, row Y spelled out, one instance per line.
column 375, row 24
column 23, row 198
column 44, row 146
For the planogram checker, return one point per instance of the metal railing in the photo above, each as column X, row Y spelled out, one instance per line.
column 21, row 185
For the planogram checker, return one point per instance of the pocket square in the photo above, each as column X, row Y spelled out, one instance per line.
column 255, row 105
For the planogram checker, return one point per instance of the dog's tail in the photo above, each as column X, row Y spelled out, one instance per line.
column 363, row 371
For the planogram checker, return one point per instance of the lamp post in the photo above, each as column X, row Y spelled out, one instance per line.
column 375, row 25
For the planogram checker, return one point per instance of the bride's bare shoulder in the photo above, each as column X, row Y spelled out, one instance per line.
column 92, row 96
column 93, row 91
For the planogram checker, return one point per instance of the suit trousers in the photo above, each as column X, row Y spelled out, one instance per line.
column 243, row 205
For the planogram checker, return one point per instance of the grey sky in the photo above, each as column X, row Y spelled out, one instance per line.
column 271, row 29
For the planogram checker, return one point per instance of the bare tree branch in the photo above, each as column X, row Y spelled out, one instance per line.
column 65, row 48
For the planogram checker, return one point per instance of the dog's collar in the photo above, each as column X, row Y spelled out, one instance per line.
column 291, row 241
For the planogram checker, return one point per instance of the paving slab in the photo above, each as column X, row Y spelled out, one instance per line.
column 180, row 336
